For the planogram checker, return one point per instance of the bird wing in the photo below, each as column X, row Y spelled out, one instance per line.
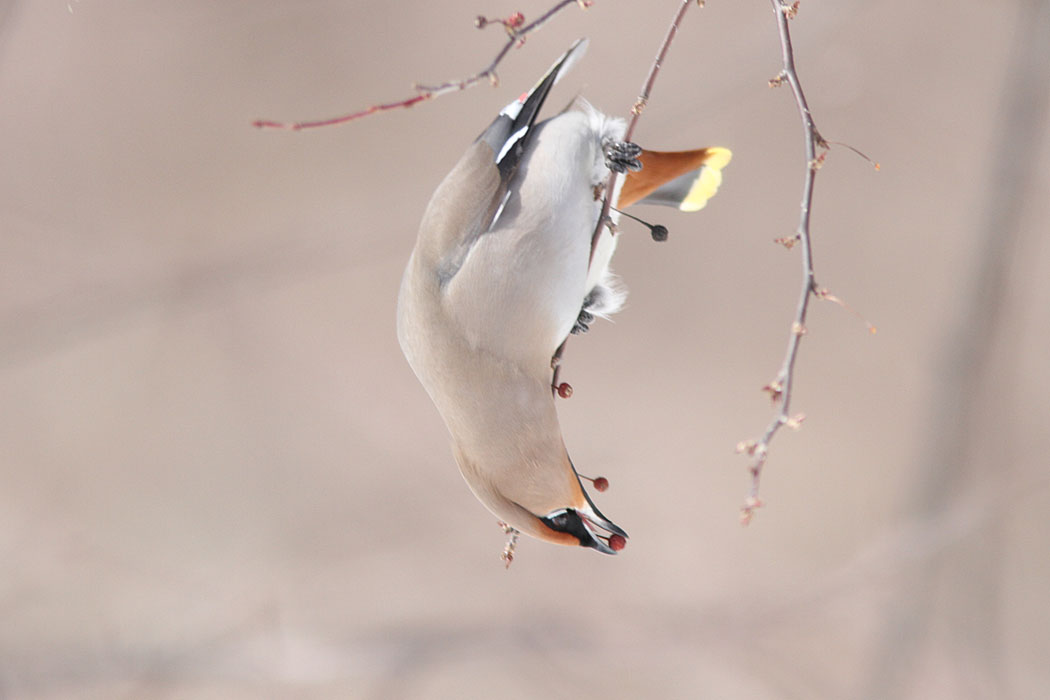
column 470, row 200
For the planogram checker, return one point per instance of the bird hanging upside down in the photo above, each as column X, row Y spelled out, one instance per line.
column 500, row 275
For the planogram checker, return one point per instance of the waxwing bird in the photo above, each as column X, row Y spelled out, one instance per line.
column 502, row 272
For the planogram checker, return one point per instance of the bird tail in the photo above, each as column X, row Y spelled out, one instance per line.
column 681, row 179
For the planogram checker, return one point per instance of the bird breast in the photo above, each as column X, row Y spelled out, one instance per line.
column 522, row 285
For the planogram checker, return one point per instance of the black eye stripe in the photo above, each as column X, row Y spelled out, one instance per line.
column 570, row 522
column 560, row 521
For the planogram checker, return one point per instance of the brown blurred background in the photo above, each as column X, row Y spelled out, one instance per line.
column 220, row 479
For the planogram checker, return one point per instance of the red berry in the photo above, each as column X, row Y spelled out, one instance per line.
column 564, row 390
column 617, row 542
column 601, row 483
column 515, row 20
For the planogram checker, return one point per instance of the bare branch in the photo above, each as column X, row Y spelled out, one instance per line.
column 342, row 119
column 507, row 557
column 610, row 183
column 636, row 112
column 824, row 293
column 516, row 37
column 780, row 389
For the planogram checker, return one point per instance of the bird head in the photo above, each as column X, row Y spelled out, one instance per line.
column 542, row 500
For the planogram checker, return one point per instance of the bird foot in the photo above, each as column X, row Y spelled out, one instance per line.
column 583, row 322
column 596, row 303
column 621, row 156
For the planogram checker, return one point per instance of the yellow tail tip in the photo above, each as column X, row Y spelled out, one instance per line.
column 707, row 180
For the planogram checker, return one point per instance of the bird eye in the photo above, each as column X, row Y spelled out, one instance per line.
column 560, row 521
column 569, row 522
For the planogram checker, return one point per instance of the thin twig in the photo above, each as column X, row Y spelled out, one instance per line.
column 512, row 542
column 636, row 112
column 780, row 389
column 516, row 37
column 610, row 183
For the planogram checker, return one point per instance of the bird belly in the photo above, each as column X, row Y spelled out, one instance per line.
column 522, row 285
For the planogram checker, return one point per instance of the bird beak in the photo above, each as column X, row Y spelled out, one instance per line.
column 593, row 518
column 588, row 527
column 594, row 523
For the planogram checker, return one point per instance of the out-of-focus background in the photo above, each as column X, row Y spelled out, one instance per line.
column 220, row 479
